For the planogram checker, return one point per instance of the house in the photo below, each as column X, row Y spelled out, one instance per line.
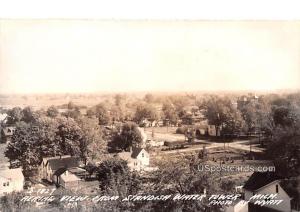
column 244, row 100
column 137, row 159
column 66, row 178
column 206, row 130
column 237, row 206
column 154, row 143
column 169, row 123
column 11, row 180
column 51, row 168
column 6, row 134
column 3, row 118
column 150, row 123
column 266, row 183
column 191, row 119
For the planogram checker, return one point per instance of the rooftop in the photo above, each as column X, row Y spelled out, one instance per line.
column 12, row 174
column 260, row 179
column 63, row 162
column 8, row 131
column 69, row 177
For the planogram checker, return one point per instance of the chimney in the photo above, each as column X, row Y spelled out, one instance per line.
column 130, row 149
column 59, row 156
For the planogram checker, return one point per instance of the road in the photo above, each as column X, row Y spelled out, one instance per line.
column 240, row 145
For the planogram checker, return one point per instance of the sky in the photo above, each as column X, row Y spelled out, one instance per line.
column 59, row 56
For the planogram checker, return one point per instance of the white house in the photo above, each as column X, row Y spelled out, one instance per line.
column 137, row 159
column 267, row 183
column 11, row 180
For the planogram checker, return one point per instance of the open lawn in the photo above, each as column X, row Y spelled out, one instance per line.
column 164, row 134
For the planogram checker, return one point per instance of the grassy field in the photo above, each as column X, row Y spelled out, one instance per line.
column 163, row 134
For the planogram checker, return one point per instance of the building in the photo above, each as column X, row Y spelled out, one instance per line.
column 207, row 130
column 151, row 123
column 51, row 168
column 66, row 178
column 237, row 206
column 3, row 118
column 6, row 134
column 266, row 183
column 11, row 180
column 153, row 143
column 137, row 159
column 244, row 100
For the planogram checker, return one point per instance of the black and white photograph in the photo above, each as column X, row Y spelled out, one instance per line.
column 149, row 115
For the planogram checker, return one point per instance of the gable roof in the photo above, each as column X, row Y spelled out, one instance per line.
column 135, row 152
column 62, row 162
column 8, row 131
column 130, row 155
column 69, row 177
column 260, row 179
column 12, row 174
column 60, row 171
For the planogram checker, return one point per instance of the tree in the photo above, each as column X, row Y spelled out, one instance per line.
column 181, row 176
column 118, row 99
column 117, row 113
column 14, row 115
column 221, row 113
column 169, row 113
column 73, row 113
column 71, row 105
column 29, row 115
column 129, row 136
column 102, row 114
column 115, row 178
column 92, row 137
column 149, row 98
column 250, row 116
column 284, row 147
column 70, row 138
column 45, row 138
column 283, row 116
column 23, row 147
column 144, row 111
column 52, row 111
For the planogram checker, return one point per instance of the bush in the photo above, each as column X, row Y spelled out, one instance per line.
column 181, row 130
